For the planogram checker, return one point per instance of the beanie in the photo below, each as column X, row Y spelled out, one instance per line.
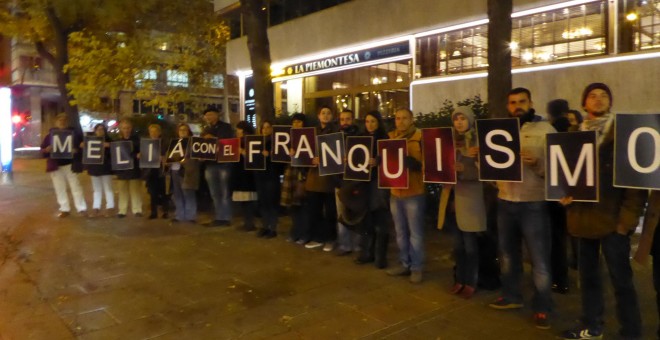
column 594, row 86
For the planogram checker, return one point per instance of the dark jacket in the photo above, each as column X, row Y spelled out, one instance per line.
column 134, row 173
column 316, row 183
column 273, row 169
column 105, row 168
column 616, row 205
column 54, row 164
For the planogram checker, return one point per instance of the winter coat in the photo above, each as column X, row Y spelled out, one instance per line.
column 136, row 172
column 415, row 184
column 54, row 164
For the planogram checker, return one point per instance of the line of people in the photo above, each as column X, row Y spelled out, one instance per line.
column 355, row 217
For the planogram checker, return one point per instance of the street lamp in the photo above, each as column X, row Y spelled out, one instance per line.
column 6, row 135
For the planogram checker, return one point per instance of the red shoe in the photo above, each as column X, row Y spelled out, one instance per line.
column 467, row 292
column 457, row 288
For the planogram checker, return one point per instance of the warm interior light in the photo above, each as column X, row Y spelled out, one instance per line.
column 631, row 16
column 514, row 45
column 5, row 129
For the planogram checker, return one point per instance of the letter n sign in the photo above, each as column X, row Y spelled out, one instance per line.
column 637, row 151
column 571, row 166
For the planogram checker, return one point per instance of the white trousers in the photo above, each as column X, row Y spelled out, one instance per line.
column 60, row 177
column 103, row 185
column 133, row 188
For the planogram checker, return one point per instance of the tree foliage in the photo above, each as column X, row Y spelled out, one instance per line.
column 98, row 47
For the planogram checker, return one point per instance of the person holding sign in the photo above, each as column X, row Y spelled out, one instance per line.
column 129, row 181
column 346, row 238
column 605, row 227
column 407, row 205
column 243, row 186
column 101, row 175
column 293, row 190
column 469, row 205
column 522, row 215
column 322, row 222
column 268, row 186
column 185, row 182
column 155, row 179
column 64, row 170
column 217, row 174
column 374, row 230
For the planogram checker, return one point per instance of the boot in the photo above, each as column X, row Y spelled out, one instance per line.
column 380, row 253
column 366, row 249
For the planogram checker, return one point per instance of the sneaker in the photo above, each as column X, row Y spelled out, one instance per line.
column 313, row 245
column 582, row 333
column 262, row 232
column 416, row 276
column 301, row 242
column 399, row 271
column 270, row 234
column 456, row 288
column 82, row 213
column 541, row 321
column 328, row 247
column 94, row 213
column 502, row 303
column 63, row 214
column 467, row 292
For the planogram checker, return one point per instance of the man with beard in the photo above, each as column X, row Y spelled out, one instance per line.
column 522, row 215
column 605, row 227
column 346, row 238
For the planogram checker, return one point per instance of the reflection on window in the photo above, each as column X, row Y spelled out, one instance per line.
column 177, row 78
column 145, row 76
column 561, row 34
column 395, row 74
column 645, row 20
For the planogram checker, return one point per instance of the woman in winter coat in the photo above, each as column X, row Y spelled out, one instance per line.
column 101, row 175
column 185, row 183
column 469, row 204
column 129, row 183
column 244, row 189
column 375, row 228
column 268, row 187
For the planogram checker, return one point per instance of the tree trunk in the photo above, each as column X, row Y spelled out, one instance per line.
column 59, row 60
column 256, row 26
column 499, row 56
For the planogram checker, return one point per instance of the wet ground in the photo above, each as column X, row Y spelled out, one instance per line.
column 133, row 278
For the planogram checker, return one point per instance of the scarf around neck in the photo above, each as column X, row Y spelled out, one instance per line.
column 600, row 124
column 405, row 134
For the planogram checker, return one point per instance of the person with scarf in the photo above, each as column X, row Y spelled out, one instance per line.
column 522, row 215
column 320, row 195
column 605, row 227
column 374, row 230
column 407, row 205
column 469, row 204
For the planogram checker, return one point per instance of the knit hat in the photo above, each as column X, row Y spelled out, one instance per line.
column 594, row 86
column 467, row 112
column 557, row 108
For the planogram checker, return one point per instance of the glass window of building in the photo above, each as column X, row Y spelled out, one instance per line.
column 145, row 76
column 177, row 78
column 644, row 18
column 561, row 34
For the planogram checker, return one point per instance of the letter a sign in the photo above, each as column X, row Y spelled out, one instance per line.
column 499, row 150
column 392, row 172
column 571, row 166
column 637, row 151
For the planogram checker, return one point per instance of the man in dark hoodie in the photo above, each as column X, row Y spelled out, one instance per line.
column 522, row 215
column 605, row 227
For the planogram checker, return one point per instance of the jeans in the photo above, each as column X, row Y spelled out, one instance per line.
column 130, row 188
column 268, row 192
column 347, row 240
column 61, row 177
column 466, row 252
column 408, row 216
column 558, row 252
column 616, row 250
column 528, row 221
column 322, row 217
column 217, row 176
column 185, row 200
column 101, row 185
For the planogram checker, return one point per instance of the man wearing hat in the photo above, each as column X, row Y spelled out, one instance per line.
column 605, row 227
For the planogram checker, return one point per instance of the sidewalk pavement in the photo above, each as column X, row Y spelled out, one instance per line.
column 133, row 278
